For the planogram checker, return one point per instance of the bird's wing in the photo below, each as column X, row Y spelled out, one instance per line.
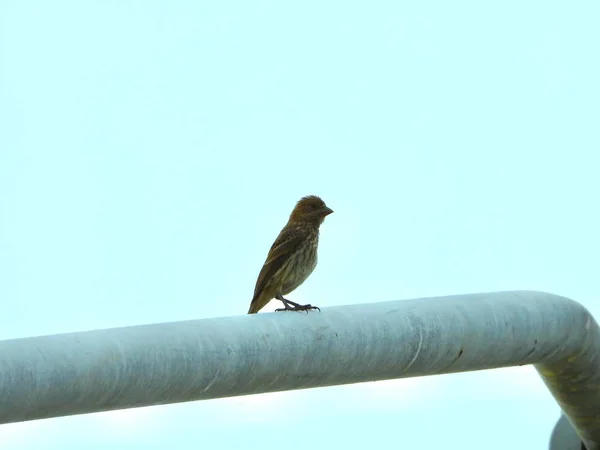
column 284, row 246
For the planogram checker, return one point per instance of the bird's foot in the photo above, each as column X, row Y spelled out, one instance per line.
column 297, row 307
column 289, row 305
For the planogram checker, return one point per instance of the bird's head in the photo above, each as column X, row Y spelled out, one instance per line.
column 310, row 209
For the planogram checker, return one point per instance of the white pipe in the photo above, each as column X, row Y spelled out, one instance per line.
column 76, row 373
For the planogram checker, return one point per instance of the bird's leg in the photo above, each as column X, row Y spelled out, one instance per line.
column 289, row 305
column 289, row 302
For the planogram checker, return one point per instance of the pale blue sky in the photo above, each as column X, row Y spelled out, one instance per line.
column 151, row 151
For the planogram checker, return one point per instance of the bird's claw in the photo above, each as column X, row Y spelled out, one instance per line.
column 299, row 308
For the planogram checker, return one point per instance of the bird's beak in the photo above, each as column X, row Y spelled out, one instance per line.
column 327, row 211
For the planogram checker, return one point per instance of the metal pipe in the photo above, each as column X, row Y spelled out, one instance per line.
column 77, row 373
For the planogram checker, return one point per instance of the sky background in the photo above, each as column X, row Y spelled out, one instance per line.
column 150, row 152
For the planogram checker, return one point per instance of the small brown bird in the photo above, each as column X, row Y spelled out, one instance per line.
column 293, row 256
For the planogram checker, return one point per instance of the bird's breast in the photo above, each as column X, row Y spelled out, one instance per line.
column 300, row 265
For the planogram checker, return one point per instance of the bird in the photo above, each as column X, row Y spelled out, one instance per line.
column 292, row 257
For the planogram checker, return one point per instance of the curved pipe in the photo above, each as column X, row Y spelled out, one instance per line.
column 76, row 373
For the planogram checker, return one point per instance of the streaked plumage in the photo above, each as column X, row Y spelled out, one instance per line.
column 293, row 256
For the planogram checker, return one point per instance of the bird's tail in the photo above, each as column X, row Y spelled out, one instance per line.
column 254, row 306
column 257, row 303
